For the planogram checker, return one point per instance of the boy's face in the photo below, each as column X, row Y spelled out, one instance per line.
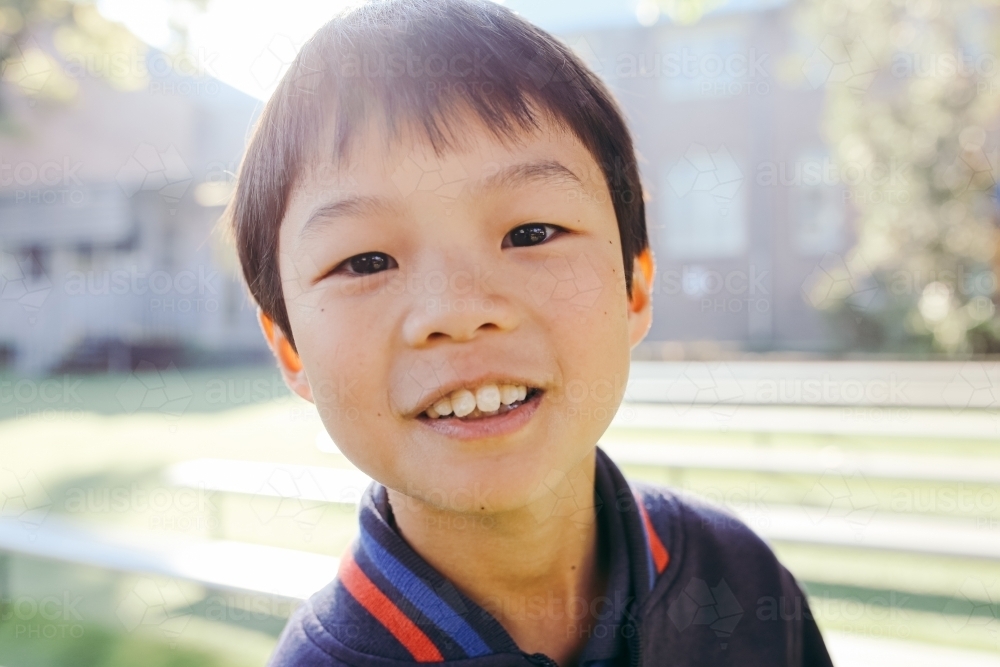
column 489, row 264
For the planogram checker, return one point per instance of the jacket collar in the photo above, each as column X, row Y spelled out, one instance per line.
column 401, row 608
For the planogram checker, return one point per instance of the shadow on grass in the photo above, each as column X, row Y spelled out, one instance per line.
column 963, row 609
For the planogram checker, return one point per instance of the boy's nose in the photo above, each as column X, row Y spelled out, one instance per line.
column 459, row 308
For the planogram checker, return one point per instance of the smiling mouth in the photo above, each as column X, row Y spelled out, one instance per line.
column 455, row 405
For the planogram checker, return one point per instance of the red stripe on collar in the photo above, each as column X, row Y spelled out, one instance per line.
column 661, row 558
column 385, row 612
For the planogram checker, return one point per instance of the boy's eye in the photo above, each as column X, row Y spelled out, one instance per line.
column 366, row 264
column 530, row 234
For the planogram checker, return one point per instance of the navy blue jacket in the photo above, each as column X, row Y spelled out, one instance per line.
column 689, row 585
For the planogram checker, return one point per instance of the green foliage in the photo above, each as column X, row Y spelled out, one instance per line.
column 687, row 11
column 913, row 95
column 45, row 44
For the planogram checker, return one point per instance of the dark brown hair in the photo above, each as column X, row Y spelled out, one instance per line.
column 421, row 63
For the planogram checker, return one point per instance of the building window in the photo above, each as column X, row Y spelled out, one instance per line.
column 816, row 204
column 703, row 205
column 709, row 63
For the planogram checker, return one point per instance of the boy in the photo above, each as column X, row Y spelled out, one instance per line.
column 441, row 219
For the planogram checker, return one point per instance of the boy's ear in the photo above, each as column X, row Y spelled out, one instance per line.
column 640, row 305
column 286, row 356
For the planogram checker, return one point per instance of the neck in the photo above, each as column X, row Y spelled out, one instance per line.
column 534, row 568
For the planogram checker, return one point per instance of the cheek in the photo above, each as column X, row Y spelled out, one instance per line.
column 583, row 294
column 328, row 340
column 348, row 387
column 587, row 315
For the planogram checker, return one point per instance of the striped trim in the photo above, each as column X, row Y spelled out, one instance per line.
column 659, row 558
column 385, row 612
column 423, row 597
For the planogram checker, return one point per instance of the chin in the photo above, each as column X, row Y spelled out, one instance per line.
column 448, row 488
column 497, row 483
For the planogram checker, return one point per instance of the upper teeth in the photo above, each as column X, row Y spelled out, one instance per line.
column 487, row 398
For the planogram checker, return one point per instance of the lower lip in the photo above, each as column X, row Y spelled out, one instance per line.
column 485, row 427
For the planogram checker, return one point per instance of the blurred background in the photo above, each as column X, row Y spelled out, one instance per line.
column 824, row 360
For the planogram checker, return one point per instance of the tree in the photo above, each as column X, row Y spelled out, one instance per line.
column 912, row 101
column 42, row 42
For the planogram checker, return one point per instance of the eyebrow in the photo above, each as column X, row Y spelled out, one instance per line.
column 353, row 205
column 551, row 171
column 524, row 173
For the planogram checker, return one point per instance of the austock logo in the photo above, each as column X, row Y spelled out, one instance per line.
column 22, row 281
column 272, row 63
column 158, row 604
column 836, row 61
column 423, row 171
column 28, row 67
column 713, row 606
column 836, row 280
column 842, row 496
column 290, row 493
column 976, row 385
column 150, row 389
column 22, row 497
column 701, row 171
column 711, row 385
column 160, row 171
column 46, row 617
column 975, row 168
column 974, row 605
column 560, row 279
column 559, row 494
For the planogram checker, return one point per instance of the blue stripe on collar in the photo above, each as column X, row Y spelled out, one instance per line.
column 421, row 596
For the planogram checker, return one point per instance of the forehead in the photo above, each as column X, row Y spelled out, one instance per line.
column 402, row 163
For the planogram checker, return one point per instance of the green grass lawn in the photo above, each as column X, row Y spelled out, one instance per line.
column 108, row 435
